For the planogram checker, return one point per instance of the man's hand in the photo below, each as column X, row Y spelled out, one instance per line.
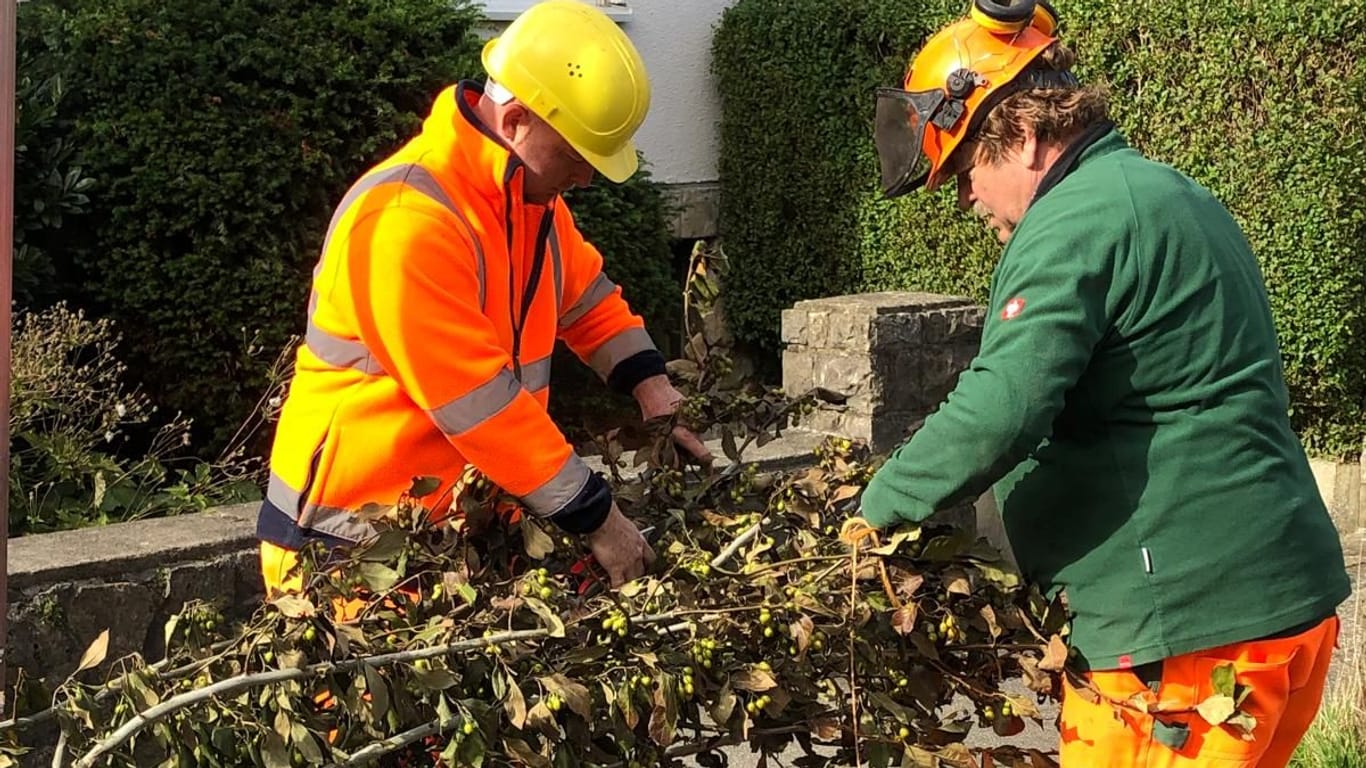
column 658, row 397
column 620, row 549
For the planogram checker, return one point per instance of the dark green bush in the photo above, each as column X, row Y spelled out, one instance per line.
column 1263, row 104
column 50, row 184
column 223, row 133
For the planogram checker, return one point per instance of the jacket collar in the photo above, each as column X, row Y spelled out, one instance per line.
column 1099, row 139
column 464, row 147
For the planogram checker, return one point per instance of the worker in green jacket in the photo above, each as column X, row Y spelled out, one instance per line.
column 1128, row 404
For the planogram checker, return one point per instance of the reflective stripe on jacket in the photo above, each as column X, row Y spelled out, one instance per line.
column 436, row 305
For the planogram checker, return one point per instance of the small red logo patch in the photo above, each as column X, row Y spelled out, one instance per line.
column 1126, row 661
column 1013, row 308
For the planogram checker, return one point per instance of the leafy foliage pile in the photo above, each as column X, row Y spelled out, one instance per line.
column 1252, row 102
column 483, row 638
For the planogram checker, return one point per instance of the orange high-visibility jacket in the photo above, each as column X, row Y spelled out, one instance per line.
column 436, row 306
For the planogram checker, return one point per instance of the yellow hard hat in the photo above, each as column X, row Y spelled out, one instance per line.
column 574, row 67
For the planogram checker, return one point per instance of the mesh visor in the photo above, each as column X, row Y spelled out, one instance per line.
column 898, row 130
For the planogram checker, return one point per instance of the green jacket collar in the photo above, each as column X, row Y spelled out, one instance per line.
column 1098, row 140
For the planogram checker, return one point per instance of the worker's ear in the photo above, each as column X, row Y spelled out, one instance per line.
column 514, row 122
column 1032, row 151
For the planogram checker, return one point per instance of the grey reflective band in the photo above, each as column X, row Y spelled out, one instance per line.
column 340, row 353
column 330, row 521
column 629, row 342
column 555, row 493
column 478, row 405
column 592, row 296
column 349, row 353
column 536, row 375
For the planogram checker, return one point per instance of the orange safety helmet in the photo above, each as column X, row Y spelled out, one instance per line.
column 957, row 77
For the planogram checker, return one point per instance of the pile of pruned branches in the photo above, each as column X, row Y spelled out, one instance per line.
column 488, row 639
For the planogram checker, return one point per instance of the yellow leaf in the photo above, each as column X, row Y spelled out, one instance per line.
column 94, row 655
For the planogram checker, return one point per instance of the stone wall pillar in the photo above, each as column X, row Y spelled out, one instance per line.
column 895, row 355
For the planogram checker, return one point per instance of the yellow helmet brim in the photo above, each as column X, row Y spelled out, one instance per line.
column 616, row 168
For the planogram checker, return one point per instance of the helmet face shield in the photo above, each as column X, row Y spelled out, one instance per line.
column 898, row 131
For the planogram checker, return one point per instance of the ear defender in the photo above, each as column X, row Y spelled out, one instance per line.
column 1006, row 17
column 1003, row 17
column 1045, row 18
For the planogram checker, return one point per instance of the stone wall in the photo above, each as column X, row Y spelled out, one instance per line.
column 895, row 355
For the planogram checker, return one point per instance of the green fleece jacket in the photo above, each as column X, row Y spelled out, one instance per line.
column 1129, row 405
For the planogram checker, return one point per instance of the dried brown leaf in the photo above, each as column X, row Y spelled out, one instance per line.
column 801, row 630
column 903, row 619
column 1217, row 709
column 752, row 679
column 825, row 728
column 574, row 694
column 956, row 582
column 523, row 752
column 535, row 540
column 989, row 616
column 1055, row 655
column 294, row 607
column 909, row 585
column 515, row 704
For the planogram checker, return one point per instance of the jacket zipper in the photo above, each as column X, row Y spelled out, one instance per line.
column 533, row 278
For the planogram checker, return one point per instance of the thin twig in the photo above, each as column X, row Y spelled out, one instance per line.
column 396, row 742
column 735, row 546
column 59, row 752
column 240, row 682
column 114, row 686
column 853, row 667
column 794, row 561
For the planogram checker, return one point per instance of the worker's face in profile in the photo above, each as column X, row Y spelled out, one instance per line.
column 552, row 167
column 998, row 191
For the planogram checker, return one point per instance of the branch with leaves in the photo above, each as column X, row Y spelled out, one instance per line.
column 476, row 640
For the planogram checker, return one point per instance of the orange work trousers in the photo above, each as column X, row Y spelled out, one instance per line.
column 1286, row 675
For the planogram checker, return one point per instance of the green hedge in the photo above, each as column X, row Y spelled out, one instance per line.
column 1262, row 103
column 51, row 186
column 222, row 133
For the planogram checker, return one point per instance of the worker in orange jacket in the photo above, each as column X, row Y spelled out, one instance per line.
column 447, row 274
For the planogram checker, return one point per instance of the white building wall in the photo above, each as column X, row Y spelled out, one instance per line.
column 679, row 136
